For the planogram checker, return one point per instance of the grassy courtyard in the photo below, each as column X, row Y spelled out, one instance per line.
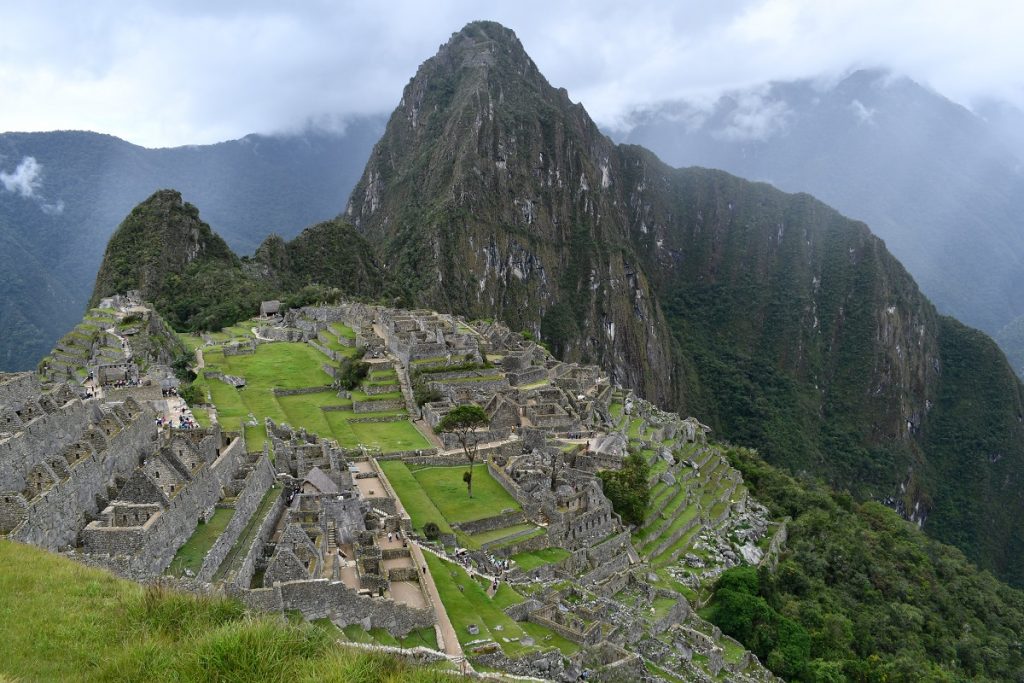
column 467, row 602
column 445, row 487
column 292, row 365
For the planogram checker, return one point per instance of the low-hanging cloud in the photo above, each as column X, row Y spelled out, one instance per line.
column 755, row 118
column 25, row 179
column 261, row 66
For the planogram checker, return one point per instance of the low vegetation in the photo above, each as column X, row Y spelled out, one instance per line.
column 63, row 621
column 628, row 488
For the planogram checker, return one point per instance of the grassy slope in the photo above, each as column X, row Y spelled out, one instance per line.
column 63, row 621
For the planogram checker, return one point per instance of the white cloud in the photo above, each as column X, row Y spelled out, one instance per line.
column 25, row 179
column 864, row 114
column 196, row 72
column 754, row 118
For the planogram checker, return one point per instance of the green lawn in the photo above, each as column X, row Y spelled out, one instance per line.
column 286, row 365
column 390, row 437
column 190, row 556
column 342, row 330
column 445, row 487
column 414, row 499
column 538, row 558
column 255, row 437
column 470, row 605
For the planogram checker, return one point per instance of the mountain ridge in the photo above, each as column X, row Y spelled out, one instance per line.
column 82, row 184
column 493, row 194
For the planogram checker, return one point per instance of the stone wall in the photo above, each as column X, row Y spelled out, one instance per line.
column 302, row 391
column 377, row 406
column 17, row 387
column 505, row 519
column 243, row 576
column 46, row 435
column 320, row 599
column 55, row 517
column 257, row 483
column 530, row 506
column 778, row 542
column 377, row 389
column 169, row 530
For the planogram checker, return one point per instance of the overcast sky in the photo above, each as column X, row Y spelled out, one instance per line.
column 200, row 71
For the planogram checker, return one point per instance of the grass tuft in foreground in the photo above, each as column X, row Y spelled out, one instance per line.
column 64, row 621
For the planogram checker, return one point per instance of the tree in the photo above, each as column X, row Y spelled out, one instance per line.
column 462, row 421
column 628, row 489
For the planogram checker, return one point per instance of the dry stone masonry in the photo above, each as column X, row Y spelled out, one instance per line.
column 85, row 468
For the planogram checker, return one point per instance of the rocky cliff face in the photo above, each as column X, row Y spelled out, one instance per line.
column 491, row 194
column 783, row 324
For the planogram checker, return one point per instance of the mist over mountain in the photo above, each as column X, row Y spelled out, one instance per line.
column 62, row 194
column 942, row 186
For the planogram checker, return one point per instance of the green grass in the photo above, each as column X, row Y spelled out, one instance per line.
column 191, row 554
column 255, row 437
column 390, row 437
column 414, row 499
column 445, row 487
column 286, row 365
column 466, row 602
column 539, row 531
column 538, row 558
column 67, row 622
column 341, row 330
column 201, row 416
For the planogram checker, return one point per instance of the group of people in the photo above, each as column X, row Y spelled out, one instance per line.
column 121, row 383
column 185, row 420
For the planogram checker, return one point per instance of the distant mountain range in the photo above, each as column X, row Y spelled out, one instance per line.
column 942, row 186
column 62, row 194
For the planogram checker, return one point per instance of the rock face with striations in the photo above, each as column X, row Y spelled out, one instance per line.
column 783, row 324
column 491, row 193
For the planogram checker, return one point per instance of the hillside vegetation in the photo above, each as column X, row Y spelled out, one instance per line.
column 63, row 621
column 164, row 250
column 860, row 594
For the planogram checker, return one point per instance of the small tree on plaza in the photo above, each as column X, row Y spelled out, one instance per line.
column 462, row 421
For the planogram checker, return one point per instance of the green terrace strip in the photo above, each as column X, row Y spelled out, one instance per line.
column 538, row 558
column 190, row 555
column 342, row 330
column 237, row 552
column 67, row 622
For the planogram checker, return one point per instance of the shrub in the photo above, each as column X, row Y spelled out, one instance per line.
column 431, row 531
